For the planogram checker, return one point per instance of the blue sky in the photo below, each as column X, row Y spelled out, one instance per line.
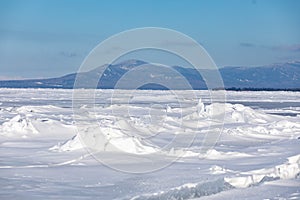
column 40, row 38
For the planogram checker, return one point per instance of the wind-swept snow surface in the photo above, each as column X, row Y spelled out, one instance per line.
column 45, row 154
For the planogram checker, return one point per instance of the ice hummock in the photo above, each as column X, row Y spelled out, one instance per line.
column 235, row 119
column 18, row 126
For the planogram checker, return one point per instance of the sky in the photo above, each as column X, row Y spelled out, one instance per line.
column 40, row 38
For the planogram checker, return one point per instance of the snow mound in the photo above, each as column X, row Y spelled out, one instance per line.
column 18, row 126
column 215, row 169
column 27, row 126
column 107, row 139
column 245, row 121
column 230, row 113
column 183, row 153
column 237, row 113
column 213, row 154
column 70, row 145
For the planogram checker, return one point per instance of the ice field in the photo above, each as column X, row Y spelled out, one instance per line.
column 147, row 144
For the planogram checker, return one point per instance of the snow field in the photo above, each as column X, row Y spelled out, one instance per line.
column 256, row 151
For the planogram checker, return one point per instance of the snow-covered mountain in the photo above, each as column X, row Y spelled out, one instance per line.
column 275, row 76
column 280, row 76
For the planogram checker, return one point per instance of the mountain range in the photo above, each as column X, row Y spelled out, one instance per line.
column 275, row 76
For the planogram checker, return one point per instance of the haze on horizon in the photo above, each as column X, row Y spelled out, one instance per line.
column 51, row 38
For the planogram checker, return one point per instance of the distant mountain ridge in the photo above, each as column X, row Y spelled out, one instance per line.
column 275, row 76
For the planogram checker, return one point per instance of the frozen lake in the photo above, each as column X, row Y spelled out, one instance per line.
column 181, row 146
